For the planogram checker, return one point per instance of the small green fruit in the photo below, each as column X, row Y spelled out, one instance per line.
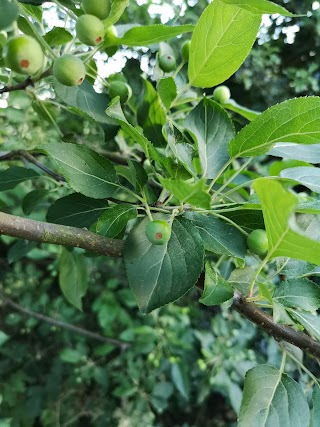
column 23, row 54
column 221, row 94
column 167, row 63
column 99, row 8
column 185, row 50
column 121, row 89
column 90, row 30
column 258, row 242
column 69, row 70
column 158, row 232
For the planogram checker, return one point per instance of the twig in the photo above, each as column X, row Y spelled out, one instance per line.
column 43, row 232
column 68, row 326
column 19, row 86
column 278, row 331
column 41, row 166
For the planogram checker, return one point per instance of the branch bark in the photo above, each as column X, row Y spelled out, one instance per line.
column 107, row 340
column 278, row 331
column 43, row 232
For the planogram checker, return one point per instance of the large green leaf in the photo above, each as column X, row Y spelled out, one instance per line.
column 151, row 34
column 221, row 40
column 298, row 293
column 216, row 289
column 295, row 120
column 272, row 399
column 212, row 130
column 307, row 176
column 73, row 277
column 159, row 274
column 13, row 176
column 260, row 6
column 9, row 12
column 76, row 210
column 86, row 171
column 218, row 236
column 285, row 238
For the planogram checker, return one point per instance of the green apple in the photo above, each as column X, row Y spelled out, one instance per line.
column 258, row 242
column 99, row 8
column 185, row 50
column 158, row 232
column 23, row 54
column 69, row 70
column 167, row 63
column 90, row 30
column 118, row 88
column 221, row 94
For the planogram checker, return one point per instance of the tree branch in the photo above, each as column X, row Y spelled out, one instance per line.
column 107, row 340
column 278, row 331
column 44, row 232
column 20, row 86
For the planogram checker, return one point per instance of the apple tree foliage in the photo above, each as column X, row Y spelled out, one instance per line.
column 166, row 152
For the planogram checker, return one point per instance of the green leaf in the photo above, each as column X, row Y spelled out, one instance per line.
column 138, row 174
column 315, row 411
column 285, row 238
column 216, row 289
column 13, row 176
column 117, row 9
column 311, row 322
column 194, row 193
column 272, row 399
column 86, row 102
column 212, row 130
column 294, row 120
column 180, row 379
column 151, row 116
column 57, row 37
column 219, row 237
column 260, row 6
column 307, row 176
column 160, row 274
column 221, row 40
column 115, row 219
column 19, row 250
column 167, row 90
column 85, row 171
column 298, row 293
column 32, row 199
column 73, row 277
column 115, row 111
column 289, row 150
column 239, row 109
column 151, row 34
column 3, row 339
column 9, row 12
column 76, row 210
column 70, row 355
column 183, row 151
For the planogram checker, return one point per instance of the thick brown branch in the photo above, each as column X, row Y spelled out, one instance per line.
column 68, row 326
column 44, row 232
column 278, row 331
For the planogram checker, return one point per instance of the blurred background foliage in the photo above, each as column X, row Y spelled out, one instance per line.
column 186, row 363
